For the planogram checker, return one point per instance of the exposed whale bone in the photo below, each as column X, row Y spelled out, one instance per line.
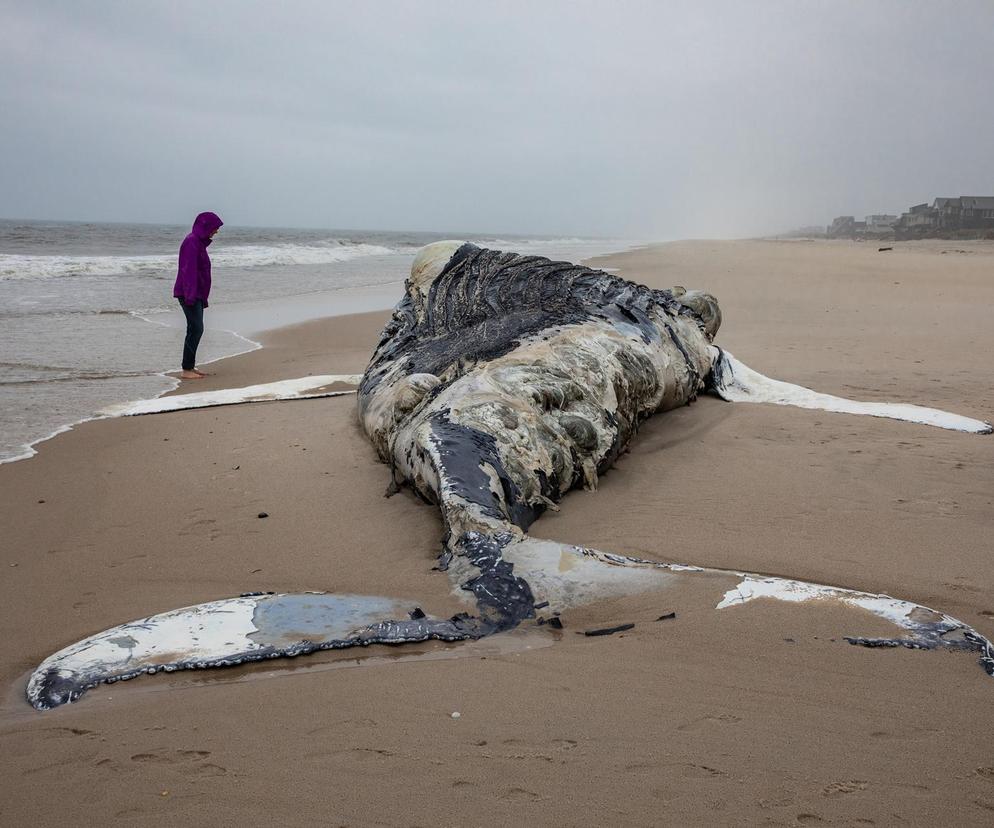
column 500, row 383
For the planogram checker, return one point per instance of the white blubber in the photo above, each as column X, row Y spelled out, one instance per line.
column 303, row 388
column 737, row 382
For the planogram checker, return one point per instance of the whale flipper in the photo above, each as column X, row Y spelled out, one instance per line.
column 232, row 631
column 734, row 381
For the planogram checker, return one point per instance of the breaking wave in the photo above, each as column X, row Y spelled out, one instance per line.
column 13, row 266
column 542, row 243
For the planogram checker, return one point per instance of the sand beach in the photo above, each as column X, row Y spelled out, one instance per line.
column 756, row 715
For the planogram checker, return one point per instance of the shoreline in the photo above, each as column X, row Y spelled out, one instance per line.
column 32, row 451
column 292, row 307
column 755, row 713
column 244, row 320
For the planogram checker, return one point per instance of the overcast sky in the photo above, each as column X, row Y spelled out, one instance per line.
column 653, row 120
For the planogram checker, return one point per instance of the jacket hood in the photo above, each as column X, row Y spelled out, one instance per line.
column 205, row 224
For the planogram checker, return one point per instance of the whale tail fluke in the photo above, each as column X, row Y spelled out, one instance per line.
column 561, row 577
column 512, row 578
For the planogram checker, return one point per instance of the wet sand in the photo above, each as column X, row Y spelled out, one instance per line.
column 759, row 714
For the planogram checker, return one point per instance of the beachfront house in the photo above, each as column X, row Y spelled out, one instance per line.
column 965, row 212
column 962, row 216
column 947, row 212
column 969, row 215
column 921, row 215
column 842, row 227
column 880, row 223
column 976, row 212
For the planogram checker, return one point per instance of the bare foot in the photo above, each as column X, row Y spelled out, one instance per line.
column 201, row 373
column 190, row 375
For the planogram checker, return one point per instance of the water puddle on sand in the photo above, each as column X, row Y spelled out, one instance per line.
column 15, row 706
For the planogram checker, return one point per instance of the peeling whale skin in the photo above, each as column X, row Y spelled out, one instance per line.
column 545, row 367
column 500, row 383
column 260, row 626
column 503, row 381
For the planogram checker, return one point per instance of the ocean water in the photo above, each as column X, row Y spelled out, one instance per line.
column 87, row 317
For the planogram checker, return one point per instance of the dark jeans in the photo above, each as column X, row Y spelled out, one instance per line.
column 194, row 330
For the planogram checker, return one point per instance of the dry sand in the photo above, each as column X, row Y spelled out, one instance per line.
column 710, row 718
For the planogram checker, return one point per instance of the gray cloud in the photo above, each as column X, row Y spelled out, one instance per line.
column 651, row 119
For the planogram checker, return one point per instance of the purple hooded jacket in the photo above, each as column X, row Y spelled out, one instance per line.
column 193, row 279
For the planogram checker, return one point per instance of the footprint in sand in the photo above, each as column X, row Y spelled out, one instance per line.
column 847, row 787
column 704, row 771
column 150, row 757
column 75, row 731
column 709, row 719
column 962, row 587
column 210, row 769
column 544, row 752
column 199, row 527
column 341, row 723
column 182, row 756
column 519, row 795
column 782, row 801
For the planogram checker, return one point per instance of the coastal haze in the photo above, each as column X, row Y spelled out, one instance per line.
column 335, row 140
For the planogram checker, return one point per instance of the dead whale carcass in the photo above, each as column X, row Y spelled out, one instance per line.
column 500, row 383
column 504, row 381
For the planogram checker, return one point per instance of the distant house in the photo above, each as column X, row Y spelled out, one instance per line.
column 948, row 216
column 880, row 223
column 846, row 227
column 947, row 212
column 921, row 214
column 976, row 212
column 842, row 227
column 945, row 217
column 918, row 218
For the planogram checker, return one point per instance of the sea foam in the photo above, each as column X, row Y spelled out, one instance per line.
column 14, row 266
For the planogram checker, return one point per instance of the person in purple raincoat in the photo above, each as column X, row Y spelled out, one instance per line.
column 193, row 286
